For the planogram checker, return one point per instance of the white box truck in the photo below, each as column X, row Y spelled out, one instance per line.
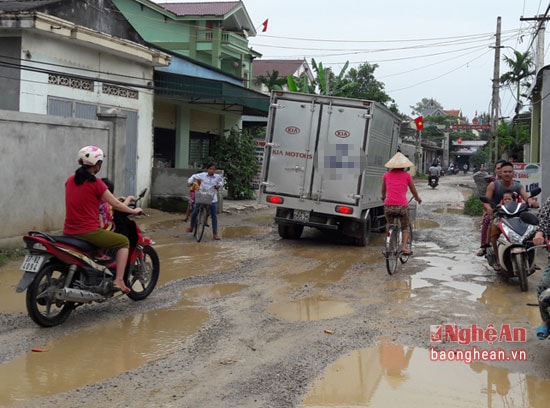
column 323, row 163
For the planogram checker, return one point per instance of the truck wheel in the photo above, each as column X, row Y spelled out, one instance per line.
column 366, row 228
column 290, row 231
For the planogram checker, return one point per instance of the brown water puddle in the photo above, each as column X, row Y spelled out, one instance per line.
column 209, row 291
column 309, row 309
column 245, row 231
column 449, row 210
column 424, row 224
column 10, row 274
column 98, row 353
column 392, row 375
column 267, row 219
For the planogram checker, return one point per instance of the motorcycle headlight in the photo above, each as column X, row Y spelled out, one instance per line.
column 512, row 235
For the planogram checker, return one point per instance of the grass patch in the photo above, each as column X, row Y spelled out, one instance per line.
column 473, row 206
column 7, row 255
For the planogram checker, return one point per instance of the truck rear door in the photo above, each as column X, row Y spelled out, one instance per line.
column 341, row 155
column 293, row 138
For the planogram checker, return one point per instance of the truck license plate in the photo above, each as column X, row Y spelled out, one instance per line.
column 301, row 215
column 32, row 263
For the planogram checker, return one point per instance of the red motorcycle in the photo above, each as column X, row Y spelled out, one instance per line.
column 60, row 272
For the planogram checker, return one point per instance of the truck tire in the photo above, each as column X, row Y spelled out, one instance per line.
column 366, row 228
column 290, row 231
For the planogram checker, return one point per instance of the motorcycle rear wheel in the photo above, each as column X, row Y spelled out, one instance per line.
column 42, row 306
column 142, row 276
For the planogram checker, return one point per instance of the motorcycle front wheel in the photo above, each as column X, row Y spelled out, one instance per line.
column 142, row 276
column 42, row 306
column 519, row 262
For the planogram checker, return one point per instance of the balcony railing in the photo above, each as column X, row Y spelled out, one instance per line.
column 228, row 38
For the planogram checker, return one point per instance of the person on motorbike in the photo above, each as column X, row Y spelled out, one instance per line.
column 433, row 173
column 208, row 179
column 486, row 218
column 495, row 192
column 83, row 195
column 394, row 194
column 543, row 291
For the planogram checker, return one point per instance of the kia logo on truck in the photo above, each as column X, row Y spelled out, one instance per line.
column 292, row 130
column 342, row 134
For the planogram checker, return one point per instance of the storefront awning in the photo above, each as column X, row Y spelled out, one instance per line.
column 228, row 97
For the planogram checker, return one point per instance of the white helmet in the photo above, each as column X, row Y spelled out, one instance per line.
column 90, row 155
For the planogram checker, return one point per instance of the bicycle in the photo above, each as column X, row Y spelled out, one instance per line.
column 203, row 198
column 394, row 237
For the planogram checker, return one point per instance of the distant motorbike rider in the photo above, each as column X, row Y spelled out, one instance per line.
column 433, row 173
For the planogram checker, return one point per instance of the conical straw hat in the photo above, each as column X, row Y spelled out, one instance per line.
column 398, row 161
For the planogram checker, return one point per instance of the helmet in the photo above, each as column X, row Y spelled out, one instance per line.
column 90, row 155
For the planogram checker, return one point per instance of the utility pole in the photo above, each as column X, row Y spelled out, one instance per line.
column 534, row 151
column 539, row 57
column 496, row 98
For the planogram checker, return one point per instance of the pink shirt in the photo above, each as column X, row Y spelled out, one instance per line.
column 397, row 183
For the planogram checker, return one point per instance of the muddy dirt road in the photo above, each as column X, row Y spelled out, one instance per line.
column 256, row 321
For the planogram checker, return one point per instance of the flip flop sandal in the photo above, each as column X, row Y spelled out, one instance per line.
column 406, row 253
column 542, row 332
column 497, row 267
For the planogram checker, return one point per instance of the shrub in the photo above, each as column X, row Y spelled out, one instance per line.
column 473, row 206
column 235, row 154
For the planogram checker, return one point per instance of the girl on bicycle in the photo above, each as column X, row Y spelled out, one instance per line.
column 395, row 184
column 208, row 179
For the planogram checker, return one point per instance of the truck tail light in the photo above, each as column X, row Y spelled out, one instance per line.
column 344, row 210
column 274, row 199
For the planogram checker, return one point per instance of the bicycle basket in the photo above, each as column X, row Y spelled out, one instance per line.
column 204, row 197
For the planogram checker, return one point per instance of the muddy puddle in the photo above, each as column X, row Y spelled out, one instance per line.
column 424, row 224
column 95, row 354
column 245, row 231
column 310, row 309
column 449, row 210
column 392, row 375
column 210, row 291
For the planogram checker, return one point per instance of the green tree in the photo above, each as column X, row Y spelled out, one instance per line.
column 326, row 81
column 521, row 69
column 271, row 80
column 235, row 153
column 361, row 83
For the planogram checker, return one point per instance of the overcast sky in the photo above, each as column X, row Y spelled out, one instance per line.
column 425, row 48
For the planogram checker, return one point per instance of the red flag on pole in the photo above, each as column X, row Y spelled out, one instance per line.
column 264, row 25
column 419, row 122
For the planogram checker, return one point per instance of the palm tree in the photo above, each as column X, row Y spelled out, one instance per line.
column 271, row 80
column 521, row 68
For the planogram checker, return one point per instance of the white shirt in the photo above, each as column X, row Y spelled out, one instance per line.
column 207, row 181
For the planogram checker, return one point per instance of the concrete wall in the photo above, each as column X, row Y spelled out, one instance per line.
column 38, row 153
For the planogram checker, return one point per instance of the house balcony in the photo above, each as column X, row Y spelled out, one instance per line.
column 231, row 43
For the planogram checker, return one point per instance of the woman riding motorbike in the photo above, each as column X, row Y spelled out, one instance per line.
column 83, row 195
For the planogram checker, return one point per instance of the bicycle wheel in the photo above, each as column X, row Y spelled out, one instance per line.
column 405, row 258
column 201, row 223
column 392, row 249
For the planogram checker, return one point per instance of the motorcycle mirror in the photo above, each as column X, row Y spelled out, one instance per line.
column 142, row 194
column 529, row 218
column 535, row 192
